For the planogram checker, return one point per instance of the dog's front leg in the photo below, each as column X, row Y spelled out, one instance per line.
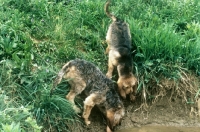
column 88, row 105
column 86, row 113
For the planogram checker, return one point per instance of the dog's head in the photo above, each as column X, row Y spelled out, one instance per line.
column 127, row 85
column 114, row 117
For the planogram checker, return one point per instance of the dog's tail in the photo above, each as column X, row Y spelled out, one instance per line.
column 59, row 77
column 106, row 9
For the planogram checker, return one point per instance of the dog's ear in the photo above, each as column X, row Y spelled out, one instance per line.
column 134, row 92
column 121, row 89
column 114, row 116
column 130, row 85
column 134, row 86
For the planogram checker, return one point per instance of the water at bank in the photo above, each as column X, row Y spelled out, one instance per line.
column 161, row 129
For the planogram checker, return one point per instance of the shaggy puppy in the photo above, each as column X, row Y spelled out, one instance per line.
column 119, row 51
column 100, row 90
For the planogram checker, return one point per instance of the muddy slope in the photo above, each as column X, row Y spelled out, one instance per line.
column 174, row 104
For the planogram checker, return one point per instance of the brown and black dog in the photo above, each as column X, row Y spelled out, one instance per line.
column 100, row 90
column 119, row 51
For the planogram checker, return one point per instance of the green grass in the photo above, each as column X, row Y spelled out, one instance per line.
column 38, row 36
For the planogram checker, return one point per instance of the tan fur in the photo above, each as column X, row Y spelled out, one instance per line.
column 100, row 90
column 118, row 39
column 127, row 86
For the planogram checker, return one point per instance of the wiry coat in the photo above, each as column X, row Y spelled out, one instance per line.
column 100, row 90
column 119, row 49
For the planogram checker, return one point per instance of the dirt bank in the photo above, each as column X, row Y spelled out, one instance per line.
column 161, row 129
column 176, row 106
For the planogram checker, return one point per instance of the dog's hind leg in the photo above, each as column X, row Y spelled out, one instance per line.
column 72, row 94
column 88, row 105
column 76, row 88
column 110, row 68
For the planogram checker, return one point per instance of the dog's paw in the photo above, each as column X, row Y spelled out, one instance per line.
column 76, row 109
column 87, row 122
column 108, row 75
